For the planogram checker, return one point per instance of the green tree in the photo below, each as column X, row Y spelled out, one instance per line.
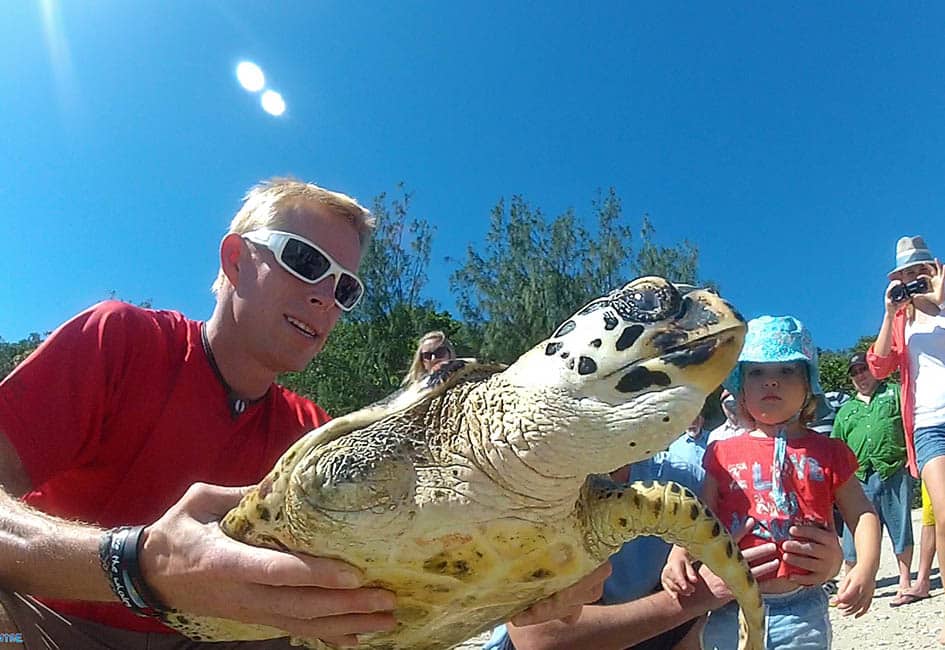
column 13, row 354
column 833, row 365
column 833, row 371
column 370, row 349
column 533, row 272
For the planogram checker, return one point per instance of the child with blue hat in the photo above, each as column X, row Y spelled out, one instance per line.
column 777, row 475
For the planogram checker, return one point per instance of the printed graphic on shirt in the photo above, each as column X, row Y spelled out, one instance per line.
column 774, row 514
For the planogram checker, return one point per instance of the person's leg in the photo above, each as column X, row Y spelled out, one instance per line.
column 921, row 586
column 894, row 505
column 930, row 451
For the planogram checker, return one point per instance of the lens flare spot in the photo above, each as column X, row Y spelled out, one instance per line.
column 273, row 103
column 250, row 76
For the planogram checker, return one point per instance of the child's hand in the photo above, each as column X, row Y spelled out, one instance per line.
column 678, row 576
column 856, row 592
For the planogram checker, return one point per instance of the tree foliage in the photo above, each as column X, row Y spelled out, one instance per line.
column 13, row 354
column 533, row 272
column 833, row 366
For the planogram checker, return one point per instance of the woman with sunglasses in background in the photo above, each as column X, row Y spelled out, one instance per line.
column 912, row 341
column 433, row 350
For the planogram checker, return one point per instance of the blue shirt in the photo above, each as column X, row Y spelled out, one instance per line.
column 638, row 564
column 690, row 449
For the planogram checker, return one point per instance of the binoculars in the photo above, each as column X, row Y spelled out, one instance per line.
column 902, row 292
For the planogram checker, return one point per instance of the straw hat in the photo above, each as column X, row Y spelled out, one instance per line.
column 911, row 251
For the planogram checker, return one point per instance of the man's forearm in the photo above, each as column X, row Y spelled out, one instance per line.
column 46, row 556
column 614, row 627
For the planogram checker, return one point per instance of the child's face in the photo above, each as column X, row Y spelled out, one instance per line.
column 774, row 392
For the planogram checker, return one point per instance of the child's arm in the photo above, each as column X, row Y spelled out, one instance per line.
column 856, row 589
column 678, row 575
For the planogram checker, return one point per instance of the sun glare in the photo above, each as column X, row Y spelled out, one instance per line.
column 273, row 103
column 250, row 76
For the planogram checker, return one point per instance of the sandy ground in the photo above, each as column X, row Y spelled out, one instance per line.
column 910, row 627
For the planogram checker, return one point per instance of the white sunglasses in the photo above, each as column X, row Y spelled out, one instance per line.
column 309, row 263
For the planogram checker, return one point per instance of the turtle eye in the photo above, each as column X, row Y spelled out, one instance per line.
column 647, row 303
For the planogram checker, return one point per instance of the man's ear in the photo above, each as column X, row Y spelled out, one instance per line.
column 231, row 254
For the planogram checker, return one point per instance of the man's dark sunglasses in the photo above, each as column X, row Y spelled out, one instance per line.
column 309, row 263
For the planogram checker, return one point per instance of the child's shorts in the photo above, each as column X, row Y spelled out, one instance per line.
column 929, row 444
column 797, row 620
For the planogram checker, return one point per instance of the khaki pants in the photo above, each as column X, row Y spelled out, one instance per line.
column 43, row 629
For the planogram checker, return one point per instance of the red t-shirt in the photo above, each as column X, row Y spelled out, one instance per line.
column 814, row 468
column 119, row 411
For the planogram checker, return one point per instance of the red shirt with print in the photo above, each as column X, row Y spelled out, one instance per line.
column 814, row 468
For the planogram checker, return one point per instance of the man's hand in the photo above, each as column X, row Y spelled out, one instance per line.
column 192, row 566
column 816, row 550
column 566, row 605
column 763, row 560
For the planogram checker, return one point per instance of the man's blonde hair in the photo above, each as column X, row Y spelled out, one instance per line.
column 267, row 203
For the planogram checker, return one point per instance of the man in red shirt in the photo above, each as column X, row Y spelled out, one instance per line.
column 128, row 416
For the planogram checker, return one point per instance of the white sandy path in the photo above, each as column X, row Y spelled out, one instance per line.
column 910, row 627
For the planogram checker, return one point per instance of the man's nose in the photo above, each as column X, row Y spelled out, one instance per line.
column 322, row 293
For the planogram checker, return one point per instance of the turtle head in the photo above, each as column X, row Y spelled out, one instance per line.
column 645, row 356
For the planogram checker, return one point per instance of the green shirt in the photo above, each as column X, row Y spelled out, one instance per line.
column 873, row 431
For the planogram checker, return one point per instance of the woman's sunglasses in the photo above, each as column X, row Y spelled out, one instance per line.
column 441, row 352
column 309, row 263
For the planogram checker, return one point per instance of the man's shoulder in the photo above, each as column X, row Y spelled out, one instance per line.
column 114, row 312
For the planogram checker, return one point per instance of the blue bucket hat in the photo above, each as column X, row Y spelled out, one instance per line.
column 777, row 339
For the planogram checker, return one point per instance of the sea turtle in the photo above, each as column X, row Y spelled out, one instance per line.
column 492, row 481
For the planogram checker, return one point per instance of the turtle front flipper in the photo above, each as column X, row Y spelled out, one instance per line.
column 618, row 513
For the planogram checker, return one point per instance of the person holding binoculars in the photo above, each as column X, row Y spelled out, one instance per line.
column 912, row 340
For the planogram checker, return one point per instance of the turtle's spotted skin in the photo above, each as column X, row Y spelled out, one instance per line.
column 481, row 491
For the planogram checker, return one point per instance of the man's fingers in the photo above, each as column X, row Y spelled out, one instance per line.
column 568, row 602
column 764, row 568
column 574, row 616
column 275, row 568
column 208, row 503
column 344, row 626
column 814, row 533
column 761, row 552
column 313, row 602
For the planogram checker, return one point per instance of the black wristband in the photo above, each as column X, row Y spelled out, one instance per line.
column 118, row 552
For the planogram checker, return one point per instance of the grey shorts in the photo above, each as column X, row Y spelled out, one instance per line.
column 40, row 628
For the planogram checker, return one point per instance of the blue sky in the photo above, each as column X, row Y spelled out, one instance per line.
column 793, row 144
